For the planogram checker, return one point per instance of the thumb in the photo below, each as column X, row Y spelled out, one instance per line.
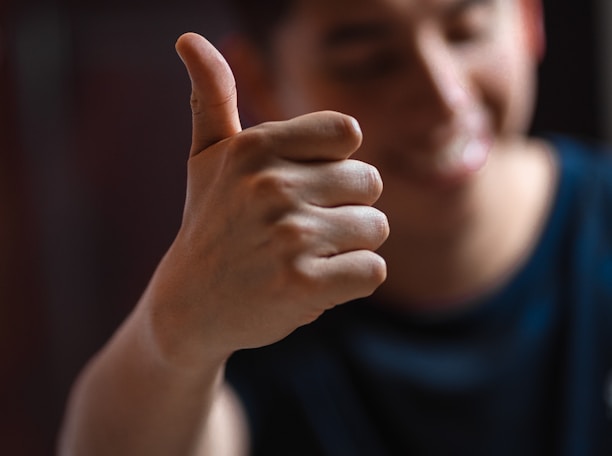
column 213, row 92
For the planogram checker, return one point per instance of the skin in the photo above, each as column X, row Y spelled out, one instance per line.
column 452, row 73
column 279, row 223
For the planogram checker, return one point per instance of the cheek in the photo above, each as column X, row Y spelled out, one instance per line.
column 507, row 87
column 308, row 94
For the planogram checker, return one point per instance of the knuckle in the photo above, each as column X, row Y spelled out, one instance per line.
column 308, row 278
column 375, row 225
column 346, row 127
column 273, row 185
column 338, row 123
column 252, row 139
column 372, row 181
column 377, row 270
column 194, row 103
column 293, row 232
column 381, row 224
column 333, row 124
column 249, row 151
column 297, row 276
column 374, row 273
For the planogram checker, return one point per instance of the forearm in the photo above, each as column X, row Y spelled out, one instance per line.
column 130, row 400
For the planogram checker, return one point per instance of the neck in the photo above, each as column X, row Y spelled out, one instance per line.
column 469, row 241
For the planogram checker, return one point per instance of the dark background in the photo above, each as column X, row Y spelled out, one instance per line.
column 94, row 135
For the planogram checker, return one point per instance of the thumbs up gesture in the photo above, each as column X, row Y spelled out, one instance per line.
column 277, row 227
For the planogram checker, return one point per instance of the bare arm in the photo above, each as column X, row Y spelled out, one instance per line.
column 277, row 228
column 128, row 401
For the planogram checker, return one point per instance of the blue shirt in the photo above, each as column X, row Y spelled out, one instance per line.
column 526, row 371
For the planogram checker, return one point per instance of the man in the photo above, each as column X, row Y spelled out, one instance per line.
column 491, row 332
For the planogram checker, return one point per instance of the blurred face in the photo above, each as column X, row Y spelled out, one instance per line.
column 433, row 83
column 442, row 89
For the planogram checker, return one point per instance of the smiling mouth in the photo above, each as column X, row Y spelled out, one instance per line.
column 453, row 162
column 443, row 154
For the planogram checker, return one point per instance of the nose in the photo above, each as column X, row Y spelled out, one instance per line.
column 435, row 86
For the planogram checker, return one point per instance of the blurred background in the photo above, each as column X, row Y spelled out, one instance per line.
column 94, row 135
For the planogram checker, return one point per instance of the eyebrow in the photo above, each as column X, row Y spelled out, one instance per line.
column 363, row 32
column 354, row 33
column 461, row 5
column 359, row 32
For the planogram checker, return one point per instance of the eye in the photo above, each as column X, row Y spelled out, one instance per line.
column 369, row 68
column 472, row 21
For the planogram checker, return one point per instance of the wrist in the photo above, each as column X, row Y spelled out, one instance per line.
column 173, row 336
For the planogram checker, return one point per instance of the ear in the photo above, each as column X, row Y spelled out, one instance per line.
column 254, row 79
column 533, row 19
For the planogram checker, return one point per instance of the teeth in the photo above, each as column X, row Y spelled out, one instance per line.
column 452, row 157
column 461, row 155
column 474, row 155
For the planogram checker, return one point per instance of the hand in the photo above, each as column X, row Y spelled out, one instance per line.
column 278, row 224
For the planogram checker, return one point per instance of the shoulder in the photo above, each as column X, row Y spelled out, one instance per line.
column 585, row 197
column 579, row 156
column 585, row 175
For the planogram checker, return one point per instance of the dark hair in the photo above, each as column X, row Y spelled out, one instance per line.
column 259, row 19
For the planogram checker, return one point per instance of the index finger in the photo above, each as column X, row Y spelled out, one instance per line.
column 319, row 136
